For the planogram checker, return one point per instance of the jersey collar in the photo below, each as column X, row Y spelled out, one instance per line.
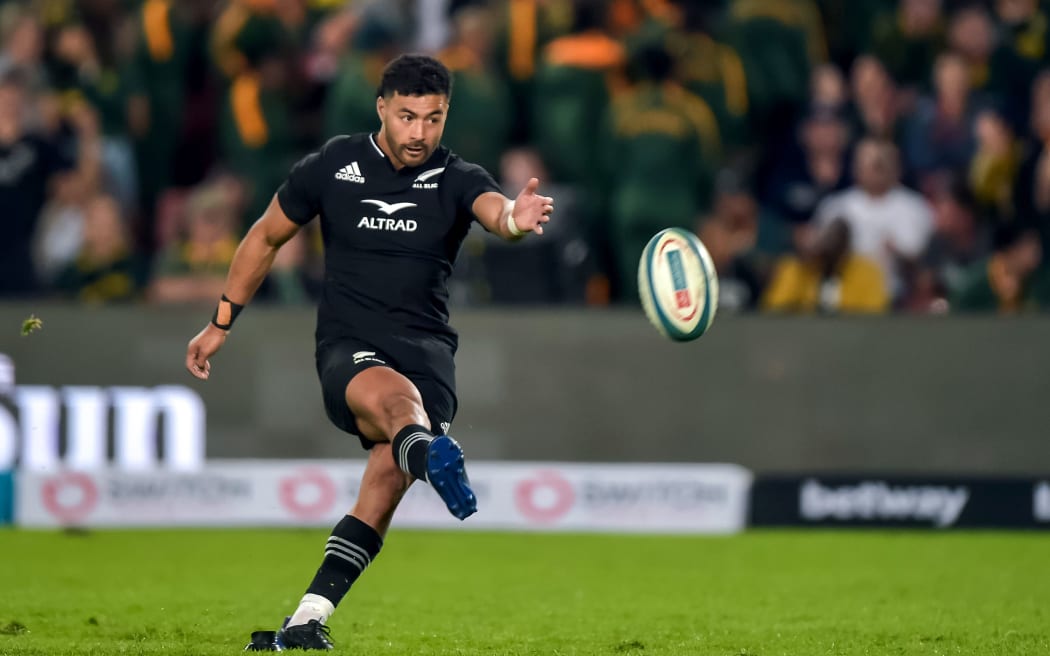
column 372, row 140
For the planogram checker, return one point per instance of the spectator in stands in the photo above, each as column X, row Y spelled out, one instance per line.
column 960, row 239
column 245, row 28
column 710, row 68
column 1032, row 190
column 849, row 26
column 1006, row 282
column 908, row 39
column 993, row 169
column 574, row 84
column 939, row 135
column 827, row 89
column 351, row 103
column 1026, row 27
column 22, row 46
column 479, row 129
column 194, row 267
column 106, row 268
column 158, row 97
column 828, row 278
column 779, row 42
column 730, row 234
column 527, row 27
column 80, row 73
column 33, row 168
column 995, row 71
column 256, row 125
column 889, row 223
column 661, row 151
column 875, row 108
column 815, row 167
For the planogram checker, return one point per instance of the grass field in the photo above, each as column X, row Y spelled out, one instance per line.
column 757, row 594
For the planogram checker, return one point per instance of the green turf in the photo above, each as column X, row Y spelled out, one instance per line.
column 759, row 594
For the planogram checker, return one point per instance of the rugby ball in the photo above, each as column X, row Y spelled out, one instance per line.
column 678, row 284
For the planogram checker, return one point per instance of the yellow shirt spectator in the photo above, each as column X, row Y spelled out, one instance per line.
column 832, row 280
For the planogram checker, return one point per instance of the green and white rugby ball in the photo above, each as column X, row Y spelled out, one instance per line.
column 678, row 284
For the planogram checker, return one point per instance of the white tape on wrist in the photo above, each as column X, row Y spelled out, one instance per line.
column 513, row 227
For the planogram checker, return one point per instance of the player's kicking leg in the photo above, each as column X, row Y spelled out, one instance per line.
column 388, row 407
column 389, row 412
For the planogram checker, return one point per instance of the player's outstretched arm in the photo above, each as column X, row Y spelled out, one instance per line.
column 512, row 219
column 249, row 267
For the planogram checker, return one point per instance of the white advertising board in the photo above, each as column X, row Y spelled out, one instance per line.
column 651, row 498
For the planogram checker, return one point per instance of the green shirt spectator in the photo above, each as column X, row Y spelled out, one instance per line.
column 779, row 41
column 574, row 83
column 995, row 69
column 1008, row 281
column 105, row 270
column 849, row 25
column 527, row 27
column 243, row 30
column 156, row 81
column 1026, row 28
column 662, row 149
column 194, row 267
column 479, row 129
column 351, row 103
column 255, row 132
column 908, row 40
column 704, row 65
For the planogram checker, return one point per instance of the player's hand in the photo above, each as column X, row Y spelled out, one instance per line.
column 531, row 210
column 203, row 346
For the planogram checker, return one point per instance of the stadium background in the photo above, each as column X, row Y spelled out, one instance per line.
column 840, row 160
column 839, row 163
column 771, row 121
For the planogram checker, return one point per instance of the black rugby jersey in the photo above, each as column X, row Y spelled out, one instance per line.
column 390, row 236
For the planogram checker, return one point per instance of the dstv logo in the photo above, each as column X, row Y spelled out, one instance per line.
column 79, row 427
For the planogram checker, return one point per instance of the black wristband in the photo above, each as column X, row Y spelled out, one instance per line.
column 225, row 313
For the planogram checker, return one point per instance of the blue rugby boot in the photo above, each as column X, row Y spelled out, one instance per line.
column 447, row 474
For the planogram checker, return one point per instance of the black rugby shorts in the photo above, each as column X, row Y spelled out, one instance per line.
column 427, row 362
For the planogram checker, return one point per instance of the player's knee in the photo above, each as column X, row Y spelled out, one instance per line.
column 389, row 412
column 399, row 410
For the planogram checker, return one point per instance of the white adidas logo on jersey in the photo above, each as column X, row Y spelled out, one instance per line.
column 350, row 173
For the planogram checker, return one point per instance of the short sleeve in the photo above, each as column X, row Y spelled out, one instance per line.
column 300, row 194
column 468, row 181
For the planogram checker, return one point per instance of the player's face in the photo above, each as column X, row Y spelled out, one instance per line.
column 412, row 126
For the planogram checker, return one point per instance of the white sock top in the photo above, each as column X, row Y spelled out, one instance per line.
column 312, row 607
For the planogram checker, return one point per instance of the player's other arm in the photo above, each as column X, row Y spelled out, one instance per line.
column 511, row 219
column 251, row 262
column 255, row 254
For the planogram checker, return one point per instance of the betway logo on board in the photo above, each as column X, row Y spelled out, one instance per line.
column 876, row 500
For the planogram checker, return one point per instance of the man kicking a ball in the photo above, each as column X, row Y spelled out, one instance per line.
column 395, row 207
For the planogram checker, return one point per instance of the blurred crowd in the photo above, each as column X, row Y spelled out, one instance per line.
column 835, row 156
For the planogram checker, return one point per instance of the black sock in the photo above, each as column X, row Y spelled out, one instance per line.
column 351, row 548
column 410, row 450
